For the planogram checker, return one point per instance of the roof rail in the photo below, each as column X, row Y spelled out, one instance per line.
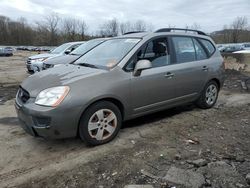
column 131, row 32
column 180, row 29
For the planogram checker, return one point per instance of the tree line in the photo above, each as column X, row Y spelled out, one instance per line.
column 236, row 32
column 54, row 30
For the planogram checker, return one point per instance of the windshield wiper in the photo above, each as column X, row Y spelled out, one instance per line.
column 88, row 65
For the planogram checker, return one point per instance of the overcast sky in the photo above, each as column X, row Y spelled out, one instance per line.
column 209, row 14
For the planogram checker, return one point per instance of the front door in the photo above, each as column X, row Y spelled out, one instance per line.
column 154, row 87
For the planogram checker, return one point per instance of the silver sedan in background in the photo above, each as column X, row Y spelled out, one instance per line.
column 74, row 55
column 35, row 63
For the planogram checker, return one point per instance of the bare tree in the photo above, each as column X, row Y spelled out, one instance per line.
column 140, row 25
column 82, row 29
column 52, row 22
column 126, row 27
column 42, row 34
column 4, row 29
column 110, row 28
column 194, row 26
column 70, row 27
column 238, row 25
column 226, row 34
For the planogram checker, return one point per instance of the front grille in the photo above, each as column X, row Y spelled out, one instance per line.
column 23, row 95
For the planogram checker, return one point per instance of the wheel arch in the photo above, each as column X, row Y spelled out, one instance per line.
column 217, row 82
column 112, row 99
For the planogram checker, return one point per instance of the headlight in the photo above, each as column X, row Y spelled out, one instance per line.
column 52, row 96
column 39, row 59
column 47, row 66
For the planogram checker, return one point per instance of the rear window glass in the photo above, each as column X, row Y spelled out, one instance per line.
column 200, row 52
column 208, row 45
column 184, row 49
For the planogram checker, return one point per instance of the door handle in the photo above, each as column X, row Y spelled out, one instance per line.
column 205, row 68
column 169, row 75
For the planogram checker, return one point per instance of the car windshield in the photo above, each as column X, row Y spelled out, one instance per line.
column 85, row 47
column 108, row 54
column 61, row 48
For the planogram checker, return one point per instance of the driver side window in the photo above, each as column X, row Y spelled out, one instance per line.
column 156, row 51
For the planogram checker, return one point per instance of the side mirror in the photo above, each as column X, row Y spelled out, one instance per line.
column 67, row 52
column 142, row 65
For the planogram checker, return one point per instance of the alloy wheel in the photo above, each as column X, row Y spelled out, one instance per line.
column 211, row 94
column 102, row 124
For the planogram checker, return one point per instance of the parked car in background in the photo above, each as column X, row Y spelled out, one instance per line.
column 2, row 52
column 220, row 47
column 242, row 52
column 35, row 63
column 74, row 55
column 121, row 79
column 232, row 48
column 6, row 51
column 246, row 46
column 37, row 49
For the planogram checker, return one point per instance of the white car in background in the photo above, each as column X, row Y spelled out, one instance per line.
column 35, row 63
column 242, row 52
column 246, row 46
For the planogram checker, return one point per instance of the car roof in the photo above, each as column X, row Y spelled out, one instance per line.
column 134, row 35
column 148, row 35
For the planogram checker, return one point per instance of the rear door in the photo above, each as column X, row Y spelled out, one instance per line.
column 190, row 69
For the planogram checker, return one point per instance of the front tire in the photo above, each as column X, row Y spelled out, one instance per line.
column 208, row 96
column 100, row 123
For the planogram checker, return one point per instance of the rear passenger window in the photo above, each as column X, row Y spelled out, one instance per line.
column 200, row 52
column 208, row 45
column 184, row 49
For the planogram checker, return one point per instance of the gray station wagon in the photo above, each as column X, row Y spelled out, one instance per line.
column 122, row 78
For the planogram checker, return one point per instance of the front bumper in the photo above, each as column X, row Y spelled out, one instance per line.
column 35, row 66
column 29, row 67
column 47, row 122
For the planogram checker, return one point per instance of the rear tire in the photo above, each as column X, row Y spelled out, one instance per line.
column 100, row 123
column 208, row 96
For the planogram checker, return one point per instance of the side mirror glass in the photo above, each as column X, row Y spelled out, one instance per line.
column 142, row 65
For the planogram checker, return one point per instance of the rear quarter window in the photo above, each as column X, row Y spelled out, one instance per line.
column 208, row 45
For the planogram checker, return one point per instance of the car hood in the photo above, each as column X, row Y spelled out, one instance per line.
column 46, row 55
column 62, row 59
column 58, row 76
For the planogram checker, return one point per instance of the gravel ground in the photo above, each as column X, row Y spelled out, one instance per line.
column 181, row 147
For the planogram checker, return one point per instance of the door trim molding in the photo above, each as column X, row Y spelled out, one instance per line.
column 164, row 102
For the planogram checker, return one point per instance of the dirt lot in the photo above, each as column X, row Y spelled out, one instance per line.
column 182, row 147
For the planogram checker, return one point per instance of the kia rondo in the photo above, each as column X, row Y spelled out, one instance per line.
column 121, row 79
